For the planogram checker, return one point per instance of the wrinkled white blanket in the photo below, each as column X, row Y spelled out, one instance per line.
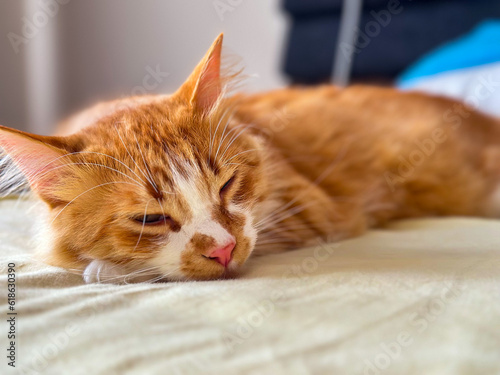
column 478, row 86
column 421, row 297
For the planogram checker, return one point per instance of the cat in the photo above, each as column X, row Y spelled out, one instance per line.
column 187, row 186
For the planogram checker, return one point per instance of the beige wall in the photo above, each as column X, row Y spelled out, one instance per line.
column 104, row 48
column 13, row 104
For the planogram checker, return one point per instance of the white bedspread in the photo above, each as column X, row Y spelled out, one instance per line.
column 421, row 297
column 478, row 86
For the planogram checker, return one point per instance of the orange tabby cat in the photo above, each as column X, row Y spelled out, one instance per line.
column 188, row 185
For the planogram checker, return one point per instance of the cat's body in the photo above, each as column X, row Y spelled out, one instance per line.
column 380, row 154
column 187, row 186
column 343, row 160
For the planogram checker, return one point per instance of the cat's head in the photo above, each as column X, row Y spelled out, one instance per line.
column 167, row 187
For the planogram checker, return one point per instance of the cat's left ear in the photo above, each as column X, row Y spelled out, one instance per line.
column 41, row 159
column 203, row 87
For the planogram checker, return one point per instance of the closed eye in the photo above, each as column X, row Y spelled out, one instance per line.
column 227, row 186
column 152, row 219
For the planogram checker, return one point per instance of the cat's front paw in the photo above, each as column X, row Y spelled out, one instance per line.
column 101, row 271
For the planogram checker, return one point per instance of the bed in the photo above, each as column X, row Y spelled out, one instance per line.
column 418, row 297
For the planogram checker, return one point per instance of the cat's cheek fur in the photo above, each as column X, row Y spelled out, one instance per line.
column 249, row 230
column 168, row 261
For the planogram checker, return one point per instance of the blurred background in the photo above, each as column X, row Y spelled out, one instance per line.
column 59, row 56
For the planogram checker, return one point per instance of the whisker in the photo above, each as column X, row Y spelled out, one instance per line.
column 240, row 153
column 214, row 134
column 210, row 124
column 86, row 191
column 236, row 137
column 163, row 212
column 133, row 160
column 143, row 224
column 275, row 219
column 231, row 131
column 222, row 136
column 252, row 166
column 103, row 277
column 316, row 182
column 146, row 165
column 140, row 273
column 217, row 128
column 153, row 280
column 272, row 231
column 96, row 164
column 276, row 241
column 281, row 215
column 98, row 153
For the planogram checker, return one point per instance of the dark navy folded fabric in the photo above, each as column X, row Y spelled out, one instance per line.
column 305, row 7
column 417, row 28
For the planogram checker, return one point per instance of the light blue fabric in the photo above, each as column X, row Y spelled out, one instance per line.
column 481, row 46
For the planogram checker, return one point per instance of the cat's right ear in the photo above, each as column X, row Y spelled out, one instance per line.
column 44, row 165
column 203, row 87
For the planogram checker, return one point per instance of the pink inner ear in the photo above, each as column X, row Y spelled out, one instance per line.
column 208, row 88
column 38, row 161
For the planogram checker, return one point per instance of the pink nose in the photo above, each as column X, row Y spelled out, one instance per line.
column 223, row 254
